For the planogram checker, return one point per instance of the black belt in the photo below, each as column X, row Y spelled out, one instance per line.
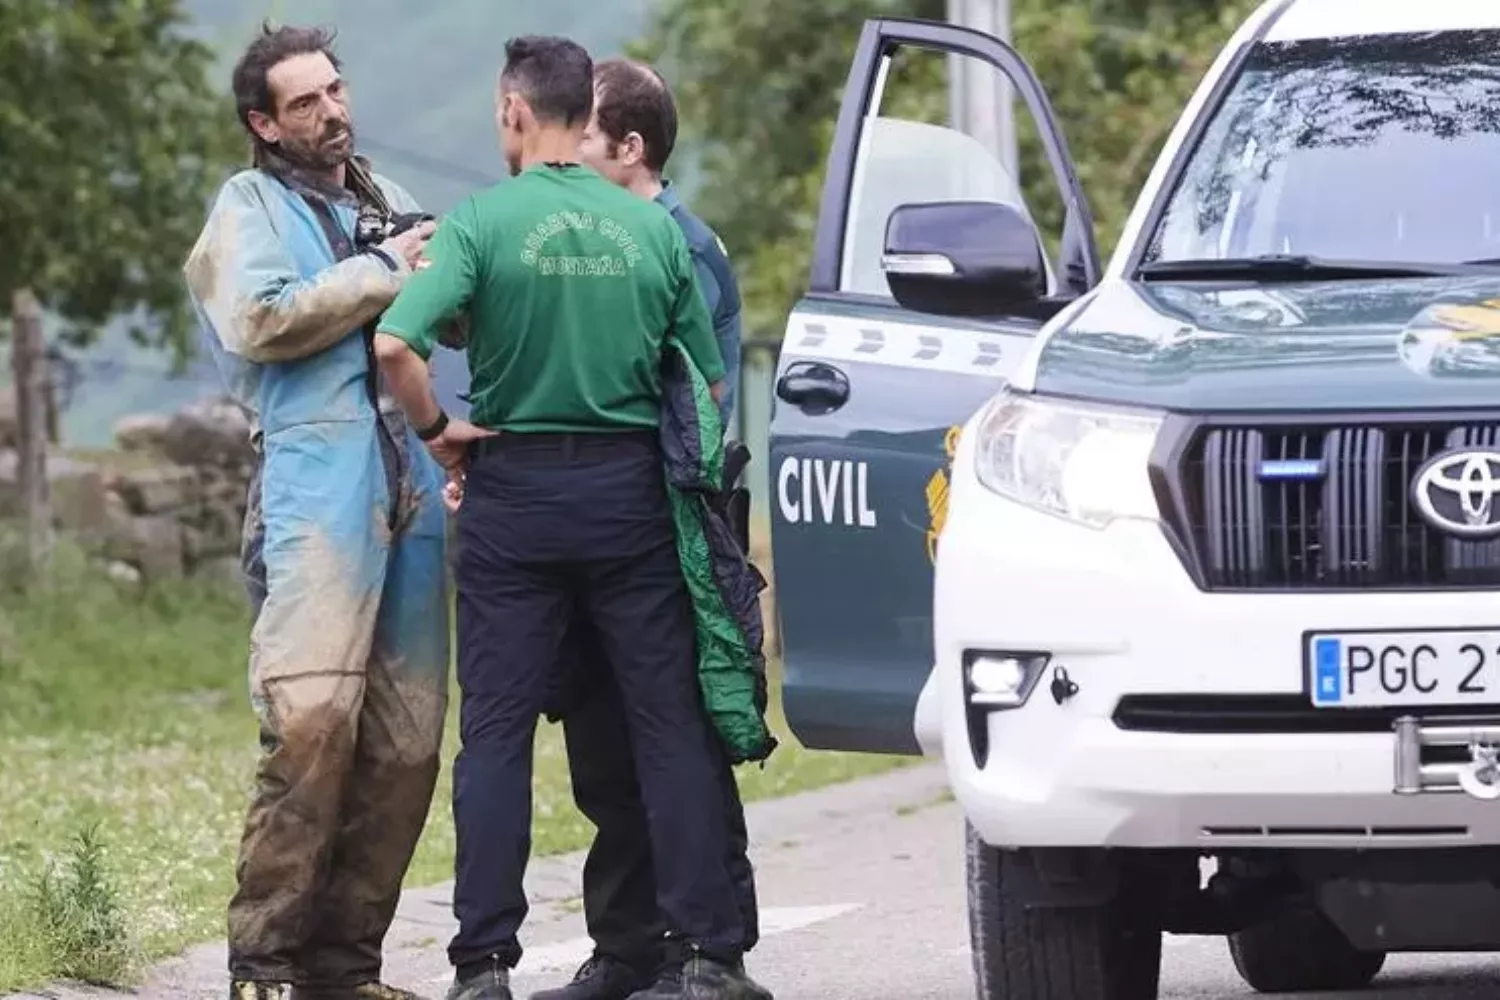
column 560, row 444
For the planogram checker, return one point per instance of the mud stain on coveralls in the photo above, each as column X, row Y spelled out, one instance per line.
column 204, row 265
column 383, row 723
column 276, row 330
column 309, row 650
column 412, row 500
column 397, row 749
column 266, row 325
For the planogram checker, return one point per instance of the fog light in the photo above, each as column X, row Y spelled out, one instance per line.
column 997, row 680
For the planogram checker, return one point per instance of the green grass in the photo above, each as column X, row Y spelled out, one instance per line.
column 126, row 750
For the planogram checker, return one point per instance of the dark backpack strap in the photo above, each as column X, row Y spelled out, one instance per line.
column 338, row 240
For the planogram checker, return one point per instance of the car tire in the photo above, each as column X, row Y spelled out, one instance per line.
column 1301, row 952
column 1065, row 953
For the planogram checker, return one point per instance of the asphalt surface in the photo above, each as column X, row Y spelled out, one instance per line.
column 863, row 897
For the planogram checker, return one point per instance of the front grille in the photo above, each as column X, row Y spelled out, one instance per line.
column 1264, row 713
column 1354, row 527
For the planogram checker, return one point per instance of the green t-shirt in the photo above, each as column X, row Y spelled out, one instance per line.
column 570, row 285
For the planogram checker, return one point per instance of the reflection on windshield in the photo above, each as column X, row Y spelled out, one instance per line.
column 1380, row 149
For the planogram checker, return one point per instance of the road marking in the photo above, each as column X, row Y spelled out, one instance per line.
column 565, row 956
column 780, row 919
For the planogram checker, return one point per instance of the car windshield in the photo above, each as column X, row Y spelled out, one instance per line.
column 1382, row 148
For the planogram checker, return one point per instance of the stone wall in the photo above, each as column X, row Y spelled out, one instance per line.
column 167, row 502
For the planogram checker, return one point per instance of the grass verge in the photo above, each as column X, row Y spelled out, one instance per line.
column 126, row 751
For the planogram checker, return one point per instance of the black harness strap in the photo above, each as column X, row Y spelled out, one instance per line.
column 343, row 248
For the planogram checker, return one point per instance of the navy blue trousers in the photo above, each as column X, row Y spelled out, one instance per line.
column 551, row 527
column 619, row 886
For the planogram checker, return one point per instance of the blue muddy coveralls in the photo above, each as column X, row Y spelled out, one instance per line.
column 345, row 555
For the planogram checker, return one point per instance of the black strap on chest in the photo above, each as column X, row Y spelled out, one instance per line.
column 343, row 248
column 338, row 241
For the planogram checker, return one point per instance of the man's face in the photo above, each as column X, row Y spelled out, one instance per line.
column 310, row 120
column 597, row 151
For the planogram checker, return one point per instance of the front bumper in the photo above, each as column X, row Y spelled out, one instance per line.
column 1117, row 611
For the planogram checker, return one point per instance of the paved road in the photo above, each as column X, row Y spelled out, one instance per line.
column 863, row 893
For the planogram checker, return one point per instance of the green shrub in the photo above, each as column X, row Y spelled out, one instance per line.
column 68, row 921
column 79, row 913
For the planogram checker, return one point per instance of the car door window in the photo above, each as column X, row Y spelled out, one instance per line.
column 909, row 152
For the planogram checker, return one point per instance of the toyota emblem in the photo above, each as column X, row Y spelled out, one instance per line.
column 1456, row 492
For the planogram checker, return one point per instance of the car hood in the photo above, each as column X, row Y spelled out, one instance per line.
column 1326, row 345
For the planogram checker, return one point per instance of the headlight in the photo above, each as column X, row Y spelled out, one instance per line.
column 1085, row 463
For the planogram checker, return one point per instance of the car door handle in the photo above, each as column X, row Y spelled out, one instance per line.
column 812, row 382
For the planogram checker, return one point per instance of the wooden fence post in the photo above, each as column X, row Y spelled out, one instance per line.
column 28, row 358
column 49, row 389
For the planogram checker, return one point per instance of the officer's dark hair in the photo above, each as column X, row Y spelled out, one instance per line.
column 251, row 84
column 554, row 75
column 633, row 97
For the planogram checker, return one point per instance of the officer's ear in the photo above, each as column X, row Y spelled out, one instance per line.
column 633, row 149
column 514, row 112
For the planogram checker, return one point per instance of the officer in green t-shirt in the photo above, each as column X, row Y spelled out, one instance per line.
column 570, row 286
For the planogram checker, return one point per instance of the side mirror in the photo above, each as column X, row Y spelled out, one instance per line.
column 964, row 258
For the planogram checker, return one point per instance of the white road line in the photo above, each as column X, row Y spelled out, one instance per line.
column 565, row 956
column 780, row 919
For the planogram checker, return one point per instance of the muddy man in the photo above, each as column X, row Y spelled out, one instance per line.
column 344, row 536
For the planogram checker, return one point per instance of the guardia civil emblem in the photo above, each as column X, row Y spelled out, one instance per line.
column 937, row 494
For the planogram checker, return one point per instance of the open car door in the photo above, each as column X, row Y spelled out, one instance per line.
column 928, row 283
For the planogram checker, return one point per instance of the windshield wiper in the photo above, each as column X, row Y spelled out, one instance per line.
column 1296, row 267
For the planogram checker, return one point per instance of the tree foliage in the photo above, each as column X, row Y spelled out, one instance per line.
column 758, row 86
column 112, row 137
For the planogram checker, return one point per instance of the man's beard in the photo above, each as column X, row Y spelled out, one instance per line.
column 323, row 154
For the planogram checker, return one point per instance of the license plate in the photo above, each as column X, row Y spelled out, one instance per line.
column 1379, row 669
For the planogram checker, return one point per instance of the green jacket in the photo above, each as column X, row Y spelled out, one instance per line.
column 724, row 586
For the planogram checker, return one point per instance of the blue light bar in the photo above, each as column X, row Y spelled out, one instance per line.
column 1292, row 469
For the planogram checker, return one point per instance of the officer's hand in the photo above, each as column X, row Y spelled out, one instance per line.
column 409, row 245
column 450, row 447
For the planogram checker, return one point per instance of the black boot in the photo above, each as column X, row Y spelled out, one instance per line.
column 244, row 989
column 702, row 978
column 602, row 977
column 754, row 990
column 481, row 981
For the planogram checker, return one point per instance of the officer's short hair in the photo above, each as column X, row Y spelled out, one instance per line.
column 269, row 48
column 555, row 76
column 633, row 97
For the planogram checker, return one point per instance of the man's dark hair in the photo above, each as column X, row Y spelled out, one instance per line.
column 554, row 75
column 633, row 97
column 252, row 91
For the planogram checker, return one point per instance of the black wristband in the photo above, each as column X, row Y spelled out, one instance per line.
column 435, row 428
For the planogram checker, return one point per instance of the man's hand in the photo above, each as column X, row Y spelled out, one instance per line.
column 408, row 246
column 453, row 493
column 450, row 448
